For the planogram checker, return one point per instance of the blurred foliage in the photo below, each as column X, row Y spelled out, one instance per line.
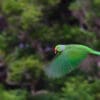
column 26, row 33
column 20, row 66
column 12, row 94
column 47, row 96
column 80, row 36
column 74, row 90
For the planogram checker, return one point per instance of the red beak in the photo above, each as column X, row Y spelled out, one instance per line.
column 55, row 51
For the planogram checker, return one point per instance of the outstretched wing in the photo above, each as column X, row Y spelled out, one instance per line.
column 63, row 64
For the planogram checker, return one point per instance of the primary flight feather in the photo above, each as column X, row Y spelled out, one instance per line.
column 69, row 58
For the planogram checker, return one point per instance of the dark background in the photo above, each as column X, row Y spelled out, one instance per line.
column 29, row 30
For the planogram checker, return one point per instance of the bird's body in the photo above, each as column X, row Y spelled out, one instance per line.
column 70, row 58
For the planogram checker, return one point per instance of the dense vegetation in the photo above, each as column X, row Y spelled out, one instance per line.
column 29, row 31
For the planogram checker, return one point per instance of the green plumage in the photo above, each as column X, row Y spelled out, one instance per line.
column 69, row 59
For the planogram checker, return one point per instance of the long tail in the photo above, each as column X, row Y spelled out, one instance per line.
column 95, row 52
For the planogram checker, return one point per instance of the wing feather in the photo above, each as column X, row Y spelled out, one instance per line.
column 64, row 63
column 59, row 66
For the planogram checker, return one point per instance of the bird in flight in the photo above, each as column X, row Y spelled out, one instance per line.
column 68, row 59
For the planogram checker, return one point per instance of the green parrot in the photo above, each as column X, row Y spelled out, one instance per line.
column 68, row 59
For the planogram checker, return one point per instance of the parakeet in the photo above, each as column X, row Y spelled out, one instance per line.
column 68, row 59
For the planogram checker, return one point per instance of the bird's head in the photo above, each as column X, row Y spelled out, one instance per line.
column 59, row 48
